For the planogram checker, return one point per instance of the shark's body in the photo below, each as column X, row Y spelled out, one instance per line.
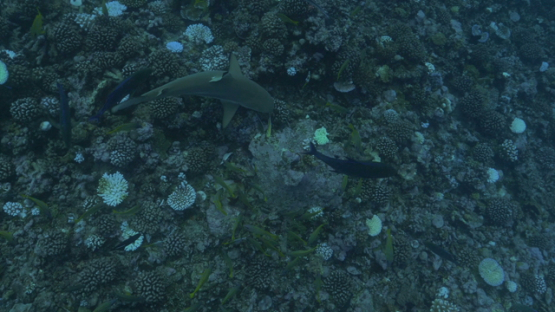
column 231, row 87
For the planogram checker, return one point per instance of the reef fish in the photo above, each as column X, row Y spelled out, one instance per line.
column 442, row 253
column 125, row 88
column 123, row 244
column 65, row 119
column 355, row 168
column 36, row 28
column 231, row 87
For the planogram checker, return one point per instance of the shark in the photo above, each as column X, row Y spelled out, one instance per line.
column 231, row 87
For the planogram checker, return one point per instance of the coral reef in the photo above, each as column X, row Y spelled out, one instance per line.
column 162, row 206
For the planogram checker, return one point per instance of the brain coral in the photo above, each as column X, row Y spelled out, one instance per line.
column 491, row 272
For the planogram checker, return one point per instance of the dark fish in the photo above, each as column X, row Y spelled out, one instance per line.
column 65, row 119
column 354, row 168
column 517, row 307
column 125, row 88
column 128, row 241
column 442, row 253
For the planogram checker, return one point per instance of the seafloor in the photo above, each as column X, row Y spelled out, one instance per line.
column 160, row 207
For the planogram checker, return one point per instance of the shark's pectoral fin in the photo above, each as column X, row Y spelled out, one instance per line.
column 229, row 112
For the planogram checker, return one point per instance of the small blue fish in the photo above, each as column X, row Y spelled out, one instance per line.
column 125, row 88
column 65, row 118
column 354, row 168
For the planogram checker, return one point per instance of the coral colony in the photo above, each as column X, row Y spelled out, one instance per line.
column 277, row 155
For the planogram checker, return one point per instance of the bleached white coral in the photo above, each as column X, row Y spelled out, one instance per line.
column 493, row 175
column 183, row 197
column 214, row 58
column 4, row 73
column 321, row 136
column 316, row 212
column 115, row 8
column 136, row 244
column 443, row 305
column 84, row 19
column 94, row 242
column 174, row 46
column 511, row 286
column 374, row 225
column 324, row 251
column 158, row 7
column 443, row 293
column 291, row 71
column 127, row 232
column 198, row 33
column 112, row 188
column 518, row 125
column 79, row 158
column 491, row 271
column 15, row 209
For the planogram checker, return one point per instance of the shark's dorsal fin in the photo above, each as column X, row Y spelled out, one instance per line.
column 234, row 68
